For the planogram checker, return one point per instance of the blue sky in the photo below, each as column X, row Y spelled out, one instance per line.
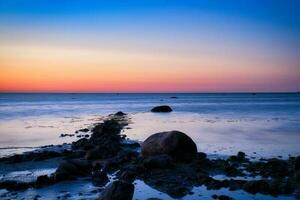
column 262, row 33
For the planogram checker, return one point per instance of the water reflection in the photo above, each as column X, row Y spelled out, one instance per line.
column 260, row 137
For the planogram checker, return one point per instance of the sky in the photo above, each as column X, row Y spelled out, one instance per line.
column 149, row 46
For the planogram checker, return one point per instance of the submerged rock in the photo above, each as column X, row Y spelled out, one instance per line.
column 173, row 143
column 118, row 190
column 163, row 108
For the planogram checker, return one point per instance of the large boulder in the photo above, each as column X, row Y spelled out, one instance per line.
column 118, row 190
column 173, row 143
column 163, row 108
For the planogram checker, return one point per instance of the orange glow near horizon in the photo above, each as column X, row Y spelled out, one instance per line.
column 149, row 46
column 55, row 69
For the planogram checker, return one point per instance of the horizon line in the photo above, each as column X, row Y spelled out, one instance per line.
column 167, row 92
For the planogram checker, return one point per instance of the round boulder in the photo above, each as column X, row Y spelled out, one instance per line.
column 163, row 108
column 173, row 143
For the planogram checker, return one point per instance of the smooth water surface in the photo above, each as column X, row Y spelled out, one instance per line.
column 265, row 124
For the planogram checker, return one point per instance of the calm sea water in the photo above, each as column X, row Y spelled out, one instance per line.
column 13, row 106
column 262, row 123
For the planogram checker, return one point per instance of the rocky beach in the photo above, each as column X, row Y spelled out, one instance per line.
column 114, row 167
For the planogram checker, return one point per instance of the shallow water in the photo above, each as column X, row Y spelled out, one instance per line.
column 258, row 137
column 143, row 192
column 84, row 189
column 277, row 105
column 260, row 125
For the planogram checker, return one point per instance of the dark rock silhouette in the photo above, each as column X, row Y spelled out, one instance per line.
column 42, row 180
column 163, row 108
column 118, row 190
column 99, row 178
column 173, row 143
column 120, row 113
column 70, row 169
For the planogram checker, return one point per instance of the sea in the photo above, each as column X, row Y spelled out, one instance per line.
column 221, row 124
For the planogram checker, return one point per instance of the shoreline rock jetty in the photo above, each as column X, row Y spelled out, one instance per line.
column 166, row 161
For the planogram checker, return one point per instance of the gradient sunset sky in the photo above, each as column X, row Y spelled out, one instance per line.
column 149, row 46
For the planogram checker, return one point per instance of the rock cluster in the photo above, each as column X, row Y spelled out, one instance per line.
column 168, row 162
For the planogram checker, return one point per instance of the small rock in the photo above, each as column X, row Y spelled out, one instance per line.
column 84, row 130
column 163, row 108
column 118, row 190
column 36, row 197
column 42, row 181
column 120, row 113
column 224, row 197
column 70, row 169
column 260, row 186
column 241, row 155
column 100, row 178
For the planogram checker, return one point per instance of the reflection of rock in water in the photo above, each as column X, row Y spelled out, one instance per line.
column 173, row 182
